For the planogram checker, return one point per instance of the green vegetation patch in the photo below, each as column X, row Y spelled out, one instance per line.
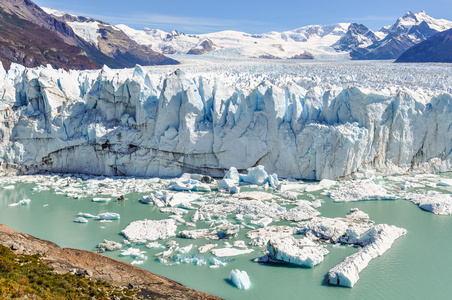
column 27, row 276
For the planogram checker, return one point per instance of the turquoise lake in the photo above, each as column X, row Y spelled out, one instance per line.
column 418, row 266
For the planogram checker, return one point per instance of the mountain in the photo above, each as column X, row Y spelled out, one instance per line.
column 315, row 39
column 437, row 48
column 41, row 43
column 357, row 35
column 111, row 41
column 32, row 37
column 406, row 32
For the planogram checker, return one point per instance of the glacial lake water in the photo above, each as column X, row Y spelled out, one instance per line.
column 418, row 266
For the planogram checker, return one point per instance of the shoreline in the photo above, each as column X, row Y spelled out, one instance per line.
column 99, row 267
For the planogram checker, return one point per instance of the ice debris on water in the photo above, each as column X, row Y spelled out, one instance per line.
column 21, row 202
column 240, row 279
column 108, row 246
column 80, row 220
column 109, row 216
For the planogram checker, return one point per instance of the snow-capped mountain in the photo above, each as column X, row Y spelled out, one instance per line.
column 316, row 39
column 406, row 32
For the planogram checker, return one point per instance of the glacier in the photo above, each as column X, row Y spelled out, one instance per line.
column 309, row 121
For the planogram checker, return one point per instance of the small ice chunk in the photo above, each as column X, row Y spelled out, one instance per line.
column 240, row 279
column 8, row 187
column 264, row 222
column 137, row 262
column 86, row 215
column 109, row 216
column 256, row 175
column 109, row 246
column 101, row 200
column 207, row 247
column 155, row 245
column 227, row 252
column 21, row 202
column 185, row 249
column 232, row 175
column 80, row 220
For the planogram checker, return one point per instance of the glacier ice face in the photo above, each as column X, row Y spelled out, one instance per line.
column 134, row 122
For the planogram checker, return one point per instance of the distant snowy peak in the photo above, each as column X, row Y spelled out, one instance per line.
column 356, row 36
column 86, row 28
column 404, row 24
column 406, row 32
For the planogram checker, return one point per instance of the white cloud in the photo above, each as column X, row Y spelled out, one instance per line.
column 167, row 22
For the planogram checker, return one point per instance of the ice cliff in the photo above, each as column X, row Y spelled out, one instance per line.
column 134, row 122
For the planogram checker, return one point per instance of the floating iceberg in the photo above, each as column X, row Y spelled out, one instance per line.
column 86, row 215
column 109, row 216
column 347, row 272
column 80, row 220
column 437, row 203
column 150, row 230
column 21, row 202
column 240, row 279
column 302, row 252
column 108, row 246
column 101, row 200
column 227, row 252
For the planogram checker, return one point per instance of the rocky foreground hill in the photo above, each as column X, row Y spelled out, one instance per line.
column 98, row 267
column 31, row 37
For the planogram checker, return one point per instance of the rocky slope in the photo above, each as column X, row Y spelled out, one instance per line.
column 32, row 37
column 31, row 45
column 438, row 48
column 98, row 267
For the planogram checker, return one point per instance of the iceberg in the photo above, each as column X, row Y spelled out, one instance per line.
column 21, row 202
column 150, row 230
column 302, row 252
column 227, row 252
column 240, row 279
column 109, row 216
column 347, row 272
column 437, row 203
column 108, row 246
column 80, row 220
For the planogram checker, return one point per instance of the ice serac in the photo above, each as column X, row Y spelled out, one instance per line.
column 132, row 122
column 347, row 272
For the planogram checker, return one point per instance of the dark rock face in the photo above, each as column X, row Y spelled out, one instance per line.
column 304, row 55
column 437, row 48
column 203, row 47
column 32, row 37
column 388, row 48
column 31, row 45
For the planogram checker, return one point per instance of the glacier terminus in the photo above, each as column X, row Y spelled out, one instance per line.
column 304, row 121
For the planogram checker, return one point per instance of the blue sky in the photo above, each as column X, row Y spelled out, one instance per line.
column 203, row 16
